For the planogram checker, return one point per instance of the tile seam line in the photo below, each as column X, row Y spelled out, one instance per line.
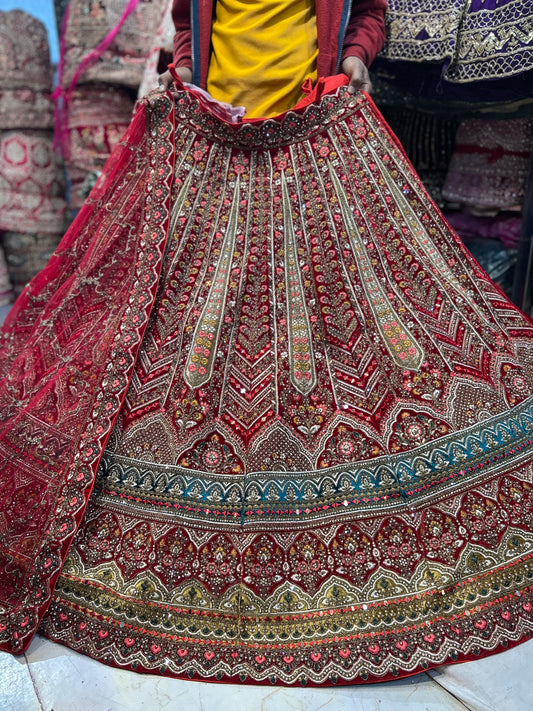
column 34, row 683
column 450, row 693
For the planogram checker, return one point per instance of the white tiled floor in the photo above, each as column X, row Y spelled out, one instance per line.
column 50, row 677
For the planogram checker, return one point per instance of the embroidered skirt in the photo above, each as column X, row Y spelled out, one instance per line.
column 264, row 419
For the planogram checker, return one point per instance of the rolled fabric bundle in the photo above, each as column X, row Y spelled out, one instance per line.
column 122, row 62
column 24, row 53
column 29, row 164
column 490, row 164
column 32, row 185
column 98, row 115
column 26, row 254
column 162, row 41
column 25, row 109
column 25, row 72
column 504, row 227
column 36, row 212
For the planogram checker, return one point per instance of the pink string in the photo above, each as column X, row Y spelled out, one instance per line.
column 62, row 96
column 60, row 129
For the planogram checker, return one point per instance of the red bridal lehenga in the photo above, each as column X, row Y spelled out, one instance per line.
column 263, row 418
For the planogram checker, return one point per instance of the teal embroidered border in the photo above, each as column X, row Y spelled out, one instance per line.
column 505, row 439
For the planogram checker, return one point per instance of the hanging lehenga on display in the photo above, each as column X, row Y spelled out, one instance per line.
column 467, row 51
column 263, row 418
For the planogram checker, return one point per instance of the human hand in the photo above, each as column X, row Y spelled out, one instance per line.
column 166, row 79
column 357, row 72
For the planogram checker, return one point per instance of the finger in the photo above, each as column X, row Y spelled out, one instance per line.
column 359, row 82
column 164, row 81
column 356, row 83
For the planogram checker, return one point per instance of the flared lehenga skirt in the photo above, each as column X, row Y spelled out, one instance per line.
column 307, row 413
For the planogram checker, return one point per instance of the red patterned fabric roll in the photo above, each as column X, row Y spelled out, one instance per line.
column 25, row 73
column 29, row 164
column 490, row 164
column 97, row 117
column 32, row 183
column 36, row 212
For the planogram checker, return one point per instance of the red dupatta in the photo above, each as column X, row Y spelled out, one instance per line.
column 66, row 356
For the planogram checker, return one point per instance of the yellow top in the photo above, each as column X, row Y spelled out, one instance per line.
column 262, row 52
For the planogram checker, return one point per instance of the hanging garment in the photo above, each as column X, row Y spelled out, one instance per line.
column 463, row 50
column 263, row 417
column 472, row 39
column 428, row 140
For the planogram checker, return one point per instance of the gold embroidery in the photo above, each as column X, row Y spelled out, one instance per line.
column 488, row 43
column 398, row 339
column 201, row 358
column 302, row 361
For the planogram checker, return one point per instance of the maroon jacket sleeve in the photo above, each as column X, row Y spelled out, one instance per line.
column 181, row 15
column 365, row 33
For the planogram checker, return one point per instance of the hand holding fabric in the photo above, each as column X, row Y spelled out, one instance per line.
column 166, row 79
column 357, row 73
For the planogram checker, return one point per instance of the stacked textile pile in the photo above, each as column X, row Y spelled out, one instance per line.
column 486, row 184
column 160, row 54
column 490, row 164
column 105, row 46
column 98, row 115
column 32, row 188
